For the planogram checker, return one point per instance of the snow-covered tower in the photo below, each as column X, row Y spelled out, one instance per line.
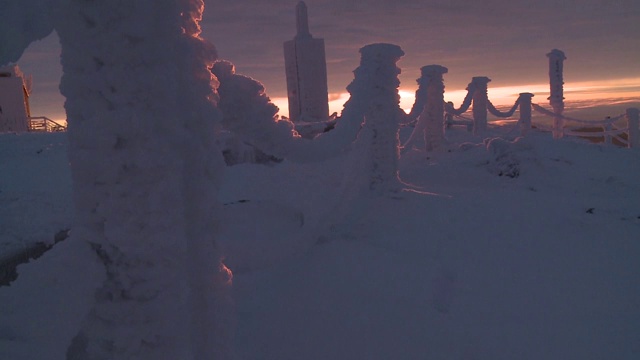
column 14, row 100
column 306, row 70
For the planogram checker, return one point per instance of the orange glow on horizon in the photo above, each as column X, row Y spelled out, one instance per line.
column 594, row 93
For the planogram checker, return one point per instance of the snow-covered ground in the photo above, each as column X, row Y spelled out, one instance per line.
column 501, row 250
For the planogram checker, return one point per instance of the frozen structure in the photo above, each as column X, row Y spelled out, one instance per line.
column 145, row 171
column 374, row 96
column 480, row 100
column 249, row 117
column 306, row 72
column 430, row 94
column 371, row 115
column 476, row 93
column 524, row 101
column 556, row 83
column 14, row 100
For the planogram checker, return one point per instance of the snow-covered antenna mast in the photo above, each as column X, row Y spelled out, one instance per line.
column 302, row 21
column 556, row 82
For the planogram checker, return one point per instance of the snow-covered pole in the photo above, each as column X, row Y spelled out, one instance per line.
column 429, row 103
column 433, row 114
column 480, row 99
column 525, row 112
column 376, row 80
column 140, row 102
column 633, row 122
column 556, row 82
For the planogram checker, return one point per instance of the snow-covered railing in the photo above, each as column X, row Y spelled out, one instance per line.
column 477, row 95
column 586, row 128
column 608, row 131
column 44, row 124
column 430, row 107
column 459, row 120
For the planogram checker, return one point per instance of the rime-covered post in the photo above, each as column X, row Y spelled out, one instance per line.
column 433, row 114
column 140, row 101
column 429, row 108
column 480, row 104
column 556, row 89
column 633, row 122
column 375, row 89
column 525, row 112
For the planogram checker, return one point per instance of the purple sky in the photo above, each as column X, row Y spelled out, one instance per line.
column 505, row 40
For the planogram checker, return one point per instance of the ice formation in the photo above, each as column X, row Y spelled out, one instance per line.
column 141, row 112
column 250, row 116
column 480, row 100
column 374, row 93
column 431, row 121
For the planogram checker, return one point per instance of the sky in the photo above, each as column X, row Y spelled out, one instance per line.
column 506, row 40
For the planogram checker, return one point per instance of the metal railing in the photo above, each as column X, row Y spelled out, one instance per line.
column 44, row 124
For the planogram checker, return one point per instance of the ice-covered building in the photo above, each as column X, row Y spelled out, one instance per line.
column 306, row 70
column 14, row 99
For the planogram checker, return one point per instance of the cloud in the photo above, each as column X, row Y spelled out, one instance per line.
column 504, row 39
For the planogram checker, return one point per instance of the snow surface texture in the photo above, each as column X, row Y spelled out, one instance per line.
column 542, row 265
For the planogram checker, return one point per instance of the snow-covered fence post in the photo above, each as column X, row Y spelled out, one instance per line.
column 140, row 101
column 525, row 112
column 375, row 87
column 480, row 98
column 431, row 124
column 633, row 122
column 556, row 82
column 433, row 114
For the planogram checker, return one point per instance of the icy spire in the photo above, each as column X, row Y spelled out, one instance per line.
column 302, row 21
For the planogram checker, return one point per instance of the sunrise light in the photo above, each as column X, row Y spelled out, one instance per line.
column 579, row 94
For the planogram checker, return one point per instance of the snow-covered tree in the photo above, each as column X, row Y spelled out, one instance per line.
column 141, row 111
column 249, row 114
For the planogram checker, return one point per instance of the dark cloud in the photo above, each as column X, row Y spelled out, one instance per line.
column 505, row 40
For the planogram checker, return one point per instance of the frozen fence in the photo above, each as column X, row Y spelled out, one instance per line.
column 477, row 96
column 608, row 132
